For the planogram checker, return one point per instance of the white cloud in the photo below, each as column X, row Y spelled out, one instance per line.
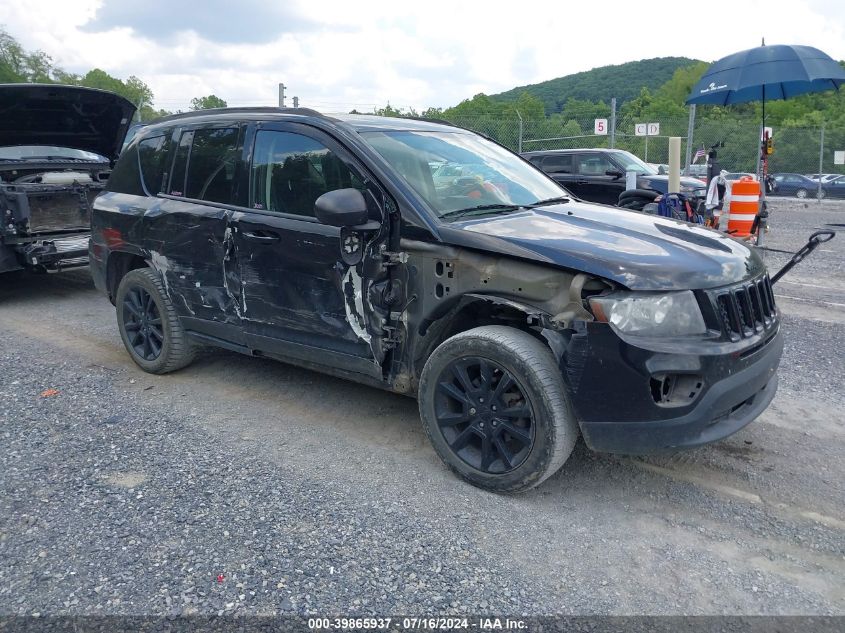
column 338, row 55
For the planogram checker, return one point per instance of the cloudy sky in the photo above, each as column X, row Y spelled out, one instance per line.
column 337, row 55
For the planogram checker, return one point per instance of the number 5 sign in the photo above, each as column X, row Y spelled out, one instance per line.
column 600, row 126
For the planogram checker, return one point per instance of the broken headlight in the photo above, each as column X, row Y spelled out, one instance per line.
column 650, row 314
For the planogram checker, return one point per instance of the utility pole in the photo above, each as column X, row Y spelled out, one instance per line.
column 281, row 95
column 613, row 123
column 821, row 165
column 520, row 132
column 296, row 102
column 690, row 131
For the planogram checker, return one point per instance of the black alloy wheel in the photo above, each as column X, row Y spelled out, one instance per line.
column 142, row 323
column 484, row 415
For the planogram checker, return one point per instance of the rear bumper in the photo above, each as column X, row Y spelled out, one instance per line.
column 737, row 391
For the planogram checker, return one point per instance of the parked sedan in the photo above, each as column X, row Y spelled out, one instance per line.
column 834, row 188
column 795, row 185
column 825, row 178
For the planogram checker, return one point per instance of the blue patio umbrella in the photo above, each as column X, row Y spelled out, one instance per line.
column 767, row 73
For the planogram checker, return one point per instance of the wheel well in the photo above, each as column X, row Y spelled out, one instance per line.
column 118, row 265
column 471, row 315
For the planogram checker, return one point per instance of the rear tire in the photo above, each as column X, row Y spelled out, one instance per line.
column 493, row 404
column 148, row 324
column 801, row 193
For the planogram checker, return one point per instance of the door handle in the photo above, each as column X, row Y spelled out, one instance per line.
column 582, row 182
column 261, row 236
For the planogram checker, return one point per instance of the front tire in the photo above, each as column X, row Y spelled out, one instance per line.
column 801, row 193
column 493, row 404
column 150, row 329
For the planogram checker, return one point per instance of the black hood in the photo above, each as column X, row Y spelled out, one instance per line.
column 64, row 116
column 636, row 250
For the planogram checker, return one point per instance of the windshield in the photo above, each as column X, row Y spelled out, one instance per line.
column 460, row 170
column 41, row 152
column 630, row 162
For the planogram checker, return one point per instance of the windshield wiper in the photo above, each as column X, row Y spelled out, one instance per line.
column 480, row 208
column 542, row 203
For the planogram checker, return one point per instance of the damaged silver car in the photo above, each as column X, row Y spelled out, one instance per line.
column 520, row 317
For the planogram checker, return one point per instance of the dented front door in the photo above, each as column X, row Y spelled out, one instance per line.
column 294, row 284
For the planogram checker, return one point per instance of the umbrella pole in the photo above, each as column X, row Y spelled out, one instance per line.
column 763, row 212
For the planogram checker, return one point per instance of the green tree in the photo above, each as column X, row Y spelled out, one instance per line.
column 388, row 110
column 206, row 103
column 678, row 88
column 17, row 65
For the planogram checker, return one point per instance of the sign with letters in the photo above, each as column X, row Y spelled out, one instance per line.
column 647, row 129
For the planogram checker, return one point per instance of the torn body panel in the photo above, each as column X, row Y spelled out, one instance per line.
column 187, row 245
column 450, row 289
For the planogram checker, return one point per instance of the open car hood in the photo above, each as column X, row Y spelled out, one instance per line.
column 64, row 116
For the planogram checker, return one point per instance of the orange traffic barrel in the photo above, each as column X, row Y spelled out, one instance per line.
column 742, row 209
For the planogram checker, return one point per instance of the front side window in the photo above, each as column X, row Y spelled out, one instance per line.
column 489, row 174
column 630, row 162
column 290, row 171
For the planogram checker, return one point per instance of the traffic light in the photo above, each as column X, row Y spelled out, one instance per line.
column 770, row 146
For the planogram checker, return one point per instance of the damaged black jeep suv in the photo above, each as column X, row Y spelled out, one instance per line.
column 57, row 144
column 425, row 259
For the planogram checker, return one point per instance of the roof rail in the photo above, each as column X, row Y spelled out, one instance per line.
column 428, row 120
column 251, row 110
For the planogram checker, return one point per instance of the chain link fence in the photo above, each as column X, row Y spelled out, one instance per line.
column 796, row 149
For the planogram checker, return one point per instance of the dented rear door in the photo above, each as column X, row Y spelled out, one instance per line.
column 187, row 229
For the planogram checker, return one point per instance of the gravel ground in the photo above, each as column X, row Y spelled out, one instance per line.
column 245, row 486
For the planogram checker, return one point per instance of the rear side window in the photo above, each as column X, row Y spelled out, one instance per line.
column 594, row 164
column 204, row 166
column 557, row 164
column 152, row 153
column 126, row 177
column 180, row 164
column 290, row 171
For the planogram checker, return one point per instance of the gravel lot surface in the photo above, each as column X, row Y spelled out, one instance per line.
column 242, row 485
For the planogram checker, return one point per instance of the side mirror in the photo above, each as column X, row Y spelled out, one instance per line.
column 613, row 172
column 661, row 170
column 341, row 207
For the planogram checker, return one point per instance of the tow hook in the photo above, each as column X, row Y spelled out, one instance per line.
column 816, row 238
